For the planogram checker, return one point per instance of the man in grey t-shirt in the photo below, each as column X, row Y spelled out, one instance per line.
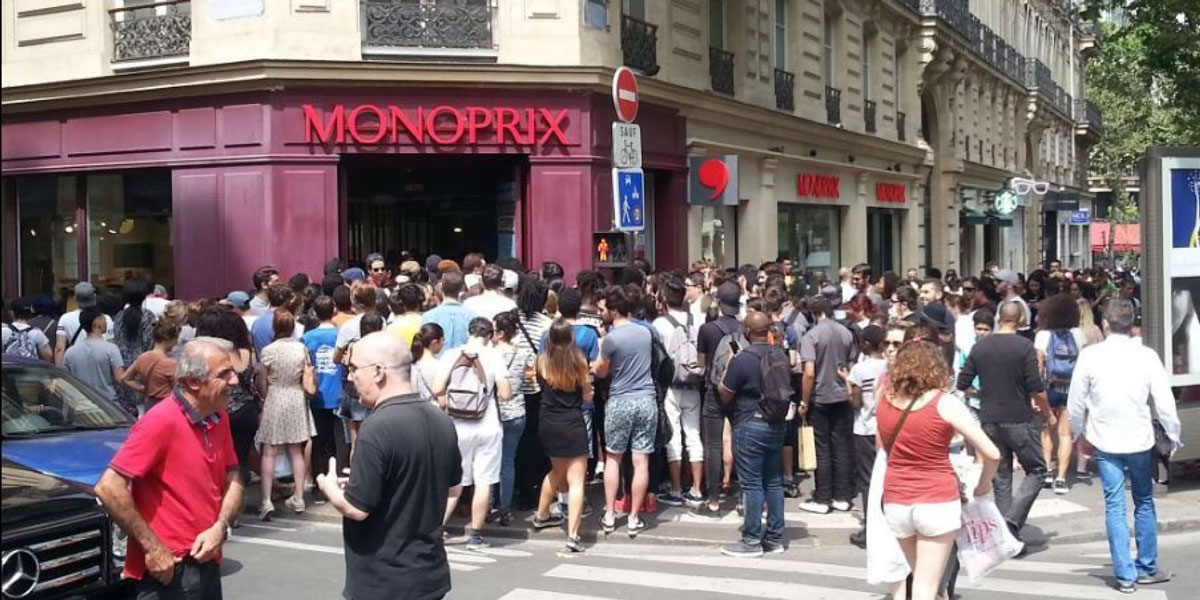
column 827, row 351
column 94, row 360
column 631, row 415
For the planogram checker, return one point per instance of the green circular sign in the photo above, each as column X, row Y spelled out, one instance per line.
column 1006, row 202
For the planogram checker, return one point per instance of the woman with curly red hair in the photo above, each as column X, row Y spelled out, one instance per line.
column 916, row 421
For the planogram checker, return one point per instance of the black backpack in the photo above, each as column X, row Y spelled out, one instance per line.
column 777, row 391
column 662, row 368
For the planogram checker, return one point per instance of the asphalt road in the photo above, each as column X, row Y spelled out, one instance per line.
column 301, row 559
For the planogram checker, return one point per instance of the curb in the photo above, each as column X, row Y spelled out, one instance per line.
column 1164, row 527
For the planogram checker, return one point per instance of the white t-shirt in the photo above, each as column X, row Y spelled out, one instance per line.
column 864, row 375
column 489, row 304
column 249, row 319
column 1041, row 341
column 666, row 329
column 155, row 305
column 349, row 332
column 494, row 368
column 68, row 324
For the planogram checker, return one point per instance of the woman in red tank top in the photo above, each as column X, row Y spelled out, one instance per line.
column 920, row 490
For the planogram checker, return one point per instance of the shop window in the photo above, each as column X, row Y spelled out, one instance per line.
column 47, row 209
column 810, row 236
column 129, row 228
column 717, row 235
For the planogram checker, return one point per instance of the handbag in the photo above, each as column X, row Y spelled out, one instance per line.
column 886, row 562
column 807, row 442
column 1163, row 446
column 984, row 542
column 308, row 380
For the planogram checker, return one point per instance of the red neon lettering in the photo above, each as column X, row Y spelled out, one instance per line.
column 553, row 126
column 415, row 129
column 889, row 192
column 380, row 131
column 431, row 125
column 530, row 126
column 474, row 124
column 335, row 127
column 509, row 125
column 818, row 186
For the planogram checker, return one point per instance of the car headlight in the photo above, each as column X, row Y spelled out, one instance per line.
column 120, row 540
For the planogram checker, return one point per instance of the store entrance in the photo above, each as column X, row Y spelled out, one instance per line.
column 448, row 205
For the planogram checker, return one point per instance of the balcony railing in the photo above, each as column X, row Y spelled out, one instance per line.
column 441, row 24
column 639, row 44
column 900, row 126
column 833, row 105
column 1087, row 113
column 720, row 69
column 869, row 115
column 785, row 90
column 983, row 42
column 150, row 31
column 913, row 5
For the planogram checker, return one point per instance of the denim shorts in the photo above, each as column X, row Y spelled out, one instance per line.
column 1057, row 399
column 630, row 425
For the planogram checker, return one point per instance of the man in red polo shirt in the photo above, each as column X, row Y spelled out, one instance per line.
column 174, row 485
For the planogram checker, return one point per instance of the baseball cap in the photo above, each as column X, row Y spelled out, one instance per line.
column 511, row 279
column 85, row 294
column 1007, row 276
column 936, row 315
column 833, row 295
column 353, row 274
column 160, row 290
column 238, row 299
column 729, row 296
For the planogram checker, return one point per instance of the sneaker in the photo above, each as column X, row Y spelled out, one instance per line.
column 814, row 507
column 265, row 511
column 506, row 518
column 791, row 490
column 558, row 509
column 476, row 542
column 492, row 516
column 671, row 499
column 1126, row 587
column 742, row 550
column 1048, row 482
column 296, row 504
column 706, row 512
column 773, row 547
column 1158, row 577
column 741, row 509
column 574, row 544
column 1060, row 486
column 609, row 525
column 840, row 505
column 859, row 538
column 635, row 526
column 692, row 499
column 319, row 498
column 552, row 521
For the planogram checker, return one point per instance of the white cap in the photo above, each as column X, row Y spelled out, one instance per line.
column 472, row 279
column 510, row 280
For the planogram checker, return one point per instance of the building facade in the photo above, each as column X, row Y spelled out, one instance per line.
column 193, row 141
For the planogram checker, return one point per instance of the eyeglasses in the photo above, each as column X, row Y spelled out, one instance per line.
column 968, row 289
column 351, row 369
column 1022, row 186
column 892, row 344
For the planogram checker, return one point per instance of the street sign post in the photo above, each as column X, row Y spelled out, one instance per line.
column 629, row 200
column 626, row 145
column 625, row 94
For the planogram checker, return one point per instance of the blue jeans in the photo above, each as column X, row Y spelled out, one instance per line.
column 502, row 496
column 1112, row 477
column 758, row 450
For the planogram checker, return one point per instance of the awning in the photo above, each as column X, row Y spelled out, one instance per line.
column 1127, row 237
column 969, row 216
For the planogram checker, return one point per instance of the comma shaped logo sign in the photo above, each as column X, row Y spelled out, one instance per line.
column 715, row 176
column 713, row 180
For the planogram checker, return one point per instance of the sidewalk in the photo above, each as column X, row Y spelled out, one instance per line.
column 1075, row 517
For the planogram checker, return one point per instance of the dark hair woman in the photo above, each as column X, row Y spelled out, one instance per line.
column 512, row 412
column 426, row 345
column 222, row 322
column 1058, row 331
column 133, row 334
column 562, row 372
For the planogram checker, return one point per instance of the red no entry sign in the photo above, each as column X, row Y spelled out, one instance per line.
column 625, row 94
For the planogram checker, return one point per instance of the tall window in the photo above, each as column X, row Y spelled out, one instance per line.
column 868, row 51
column 827, row 47
column 781, row 37
column 716, row 24
column 634, row 8
column 898, row 68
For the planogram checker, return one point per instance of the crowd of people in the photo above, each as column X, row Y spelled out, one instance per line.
column 421, row 381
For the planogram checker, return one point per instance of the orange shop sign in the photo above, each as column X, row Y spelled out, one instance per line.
column 890, row 192
column 809, row 185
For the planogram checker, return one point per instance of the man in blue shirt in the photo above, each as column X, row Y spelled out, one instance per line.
column 451, row 315
column 262, row 332
column 587, row 339
column 322, row 343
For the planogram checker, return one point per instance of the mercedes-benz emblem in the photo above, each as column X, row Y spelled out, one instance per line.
column 21, row 570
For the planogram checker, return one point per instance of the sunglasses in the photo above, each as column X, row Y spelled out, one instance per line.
column 1022, row 186
column 892, row 344
column 379, row 270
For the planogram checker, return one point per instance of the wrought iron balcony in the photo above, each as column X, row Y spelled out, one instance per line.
column 1088, row 122
column 900, row 117
column 1037, row 75
column 956, row 14
column 913, row 5
column 785, row 90
column 444, row 24
column 639, row 44
column 869, row 115
column 720, row 69
column 148, row 31
column 833, row 105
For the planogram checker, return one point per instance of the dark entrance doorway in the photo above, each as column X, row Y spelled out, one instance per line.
column 447, row 205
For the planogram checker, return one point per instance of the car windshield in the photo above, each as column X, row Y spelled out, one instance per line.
column 42, row 400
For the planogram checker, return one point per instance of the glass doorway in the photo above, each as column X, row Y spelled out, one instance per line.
column 883, row 239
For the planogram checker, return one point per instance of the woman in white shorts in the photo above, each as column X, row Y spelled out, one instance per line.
column 920, row 491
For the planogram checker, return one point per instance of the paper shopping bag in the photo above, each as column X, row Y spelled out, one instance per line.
column 984, row 542
column 885, row 560
column 808, row 447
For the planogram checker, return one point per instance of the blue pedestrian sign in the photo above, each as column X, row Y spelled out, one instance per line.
column 629, row 199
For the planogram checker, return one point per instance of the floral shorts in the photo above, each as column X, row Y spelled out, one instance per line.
column 630, row 425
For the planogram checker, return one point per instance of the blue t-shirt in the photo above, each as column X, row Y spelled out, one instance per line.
column 587, row 339
column 263, row 331
column 321, row 343
column 627, row 347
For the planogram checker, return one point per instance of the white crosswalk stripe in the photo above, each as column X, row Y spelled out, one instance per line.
column 460, row 559
column 772, row 577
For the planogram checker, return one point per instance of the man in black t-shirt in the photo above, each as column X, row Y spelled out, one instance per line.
column 712, row 414
column 1007, row 367
column 404, row 466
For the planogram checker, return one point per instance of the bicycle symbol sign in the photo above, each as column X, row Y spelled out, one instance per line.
column 627, row 145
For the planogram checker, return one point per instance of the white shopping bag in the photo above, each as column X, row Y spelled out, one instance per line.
column 984, row 542
column 885, row 560
column 283, row 465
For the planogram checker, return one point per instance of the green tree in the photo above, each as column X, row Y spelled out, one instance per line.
column 1146, row 83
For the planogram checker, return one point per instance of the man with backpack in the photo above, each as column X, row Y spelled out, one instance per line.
column 679, row 330
column 68, row 325
column 716, row 344
column 827, row 352
column 757, row 383
column 22, row 339
column 472, row 378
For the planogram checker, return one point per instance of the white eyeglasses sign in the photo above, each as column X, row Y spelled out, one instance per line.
column 1023, row 186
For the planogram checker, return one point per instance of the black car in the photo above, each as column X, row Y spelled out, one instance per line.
column 57, row 541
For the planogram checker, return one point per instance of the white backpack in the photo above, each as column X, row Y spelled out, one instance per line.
column 681, row 347
column 468, row 396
